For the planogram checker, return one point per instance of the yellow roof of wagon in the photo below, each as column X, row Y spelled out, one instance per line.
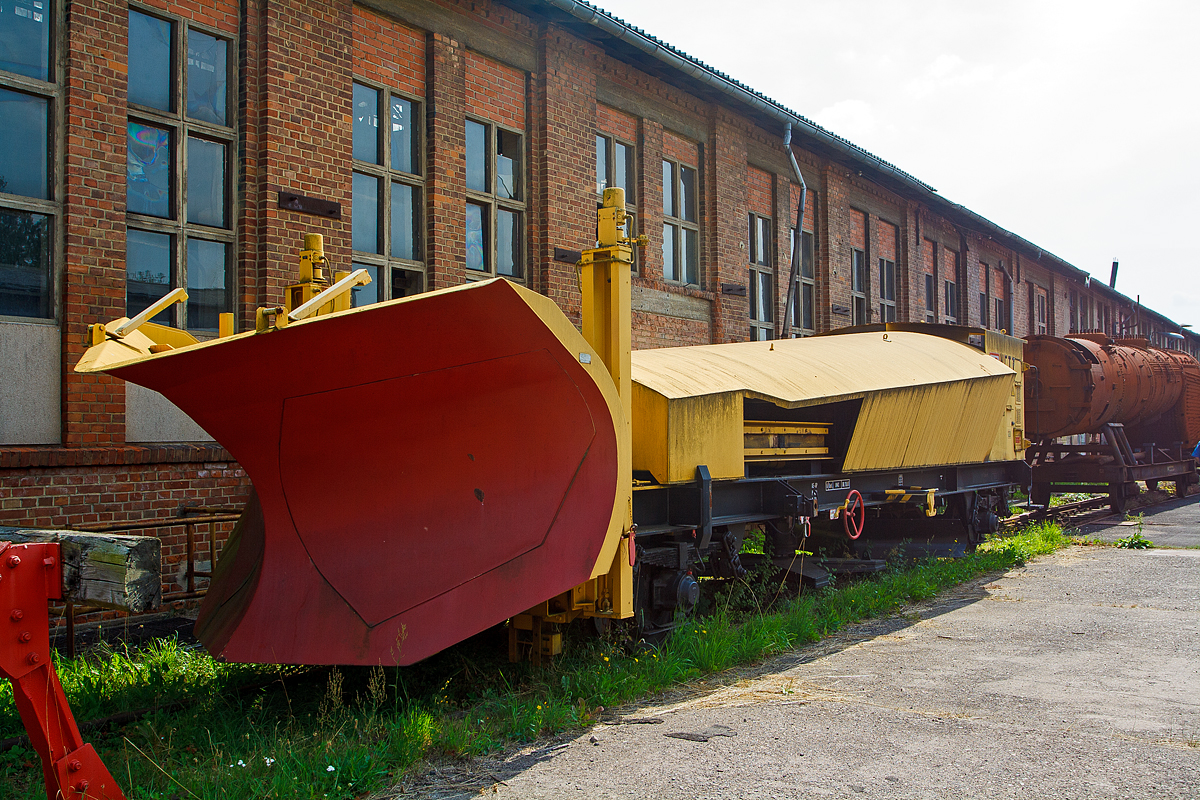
column 798, row 372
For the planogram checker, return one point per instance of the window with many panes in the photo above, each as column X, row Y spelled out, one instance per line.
column 858, row 286
column 762, row 284
column 1041, row 301
column 386, row 223
column 29, row 200
column 930, row 307
column 616, row 166
column 887, row 290
column 179, row 170
column 983, row 296
column 804, row 315
column 495, row 201
column 1001, row 318
column 950, row 292
column 681, row 228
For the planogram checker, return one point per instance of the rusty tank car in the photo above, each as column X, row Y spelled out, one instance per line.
column 1107, row 413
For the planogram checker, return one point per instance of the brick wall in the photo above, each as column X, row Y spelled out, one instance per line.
column 723, row 231
column 616, row 123
column 389, row 53
column 94, row 212
column 657, row 330
column 495, row 92
column 564, row 164
column 446, row 165
column 306, row 75
column 759, row 193
column 650, row 190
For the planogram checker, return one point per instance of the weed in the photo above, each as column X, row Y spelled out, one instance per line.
column 1134, row 541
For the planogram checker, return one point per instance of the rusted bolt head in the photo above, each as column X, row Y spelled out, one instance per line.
column 33, row 658
column 25, row 636
column 74, row 765
column 17, row 614
column 14, row 561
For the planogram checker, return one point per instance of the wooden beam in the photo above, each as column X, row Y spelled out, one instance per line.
column 103, row 569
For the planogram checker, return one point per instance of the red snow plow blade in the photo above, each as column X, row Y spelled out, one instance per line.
column 423, row 469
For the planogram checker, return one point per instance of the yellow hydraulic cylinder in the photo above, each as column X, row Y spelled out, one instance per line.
column 604, row 279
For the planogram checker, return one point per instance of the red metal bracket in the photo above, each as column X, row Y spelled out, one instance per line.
column 31, row 575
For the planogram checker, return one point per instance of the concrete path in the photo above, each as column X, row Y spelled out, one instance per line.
column 1077, row 676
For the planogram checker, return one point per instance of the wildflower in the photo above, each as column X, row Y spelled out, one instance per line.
column 635, row 661
column 268, row 761
column 606, row 658
column 241, row 763
column 329, row 768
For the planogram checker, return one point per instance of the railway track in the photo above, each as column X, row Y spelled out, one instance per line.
column 1082, row 512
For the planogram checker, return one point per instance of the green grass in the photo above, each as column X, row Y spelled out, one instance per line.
column 236, row 731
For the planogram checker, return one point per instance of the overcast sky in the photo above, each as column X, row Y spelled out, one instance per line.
column 1073, row 124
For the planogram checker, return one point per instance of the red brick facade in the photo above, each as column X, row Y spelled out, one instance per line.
column 295, row 62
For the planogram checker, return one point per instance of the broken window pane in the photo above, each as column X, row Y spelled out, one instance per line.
column 406, row 282
column 366, row 124
column 148, row 170
column 476, row 237
column 508, row 165
column 404, row 141
column 207, row 72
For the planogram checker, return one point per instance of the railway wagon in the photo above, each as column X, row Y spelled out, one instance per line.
column 1106, row 413
column 412, row 489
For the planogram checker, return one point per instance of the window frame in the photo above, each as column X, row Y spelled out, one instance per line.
column 181, row 128
column 930, row 297
column 860, row 313
column 494, row 203
column 676, row 272
column 985, row 295
column 761, row 276
column 53, row 92
column 631, row 195
column 887, row 290
column 950, row 294
column 383, row 263
column 808, row 257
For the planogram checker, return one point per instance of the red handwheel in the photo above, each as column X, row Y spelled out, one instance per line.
column 854, row 515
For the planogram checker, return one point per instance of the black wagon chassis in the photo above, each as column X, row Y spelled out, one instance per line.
column 705, row 503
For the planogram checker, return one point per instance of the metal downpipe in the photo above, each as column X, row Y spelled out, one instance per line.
column 785, row 330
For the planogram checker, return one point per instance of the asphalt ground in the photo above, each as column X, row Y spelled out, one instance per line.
column 1075, row 676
